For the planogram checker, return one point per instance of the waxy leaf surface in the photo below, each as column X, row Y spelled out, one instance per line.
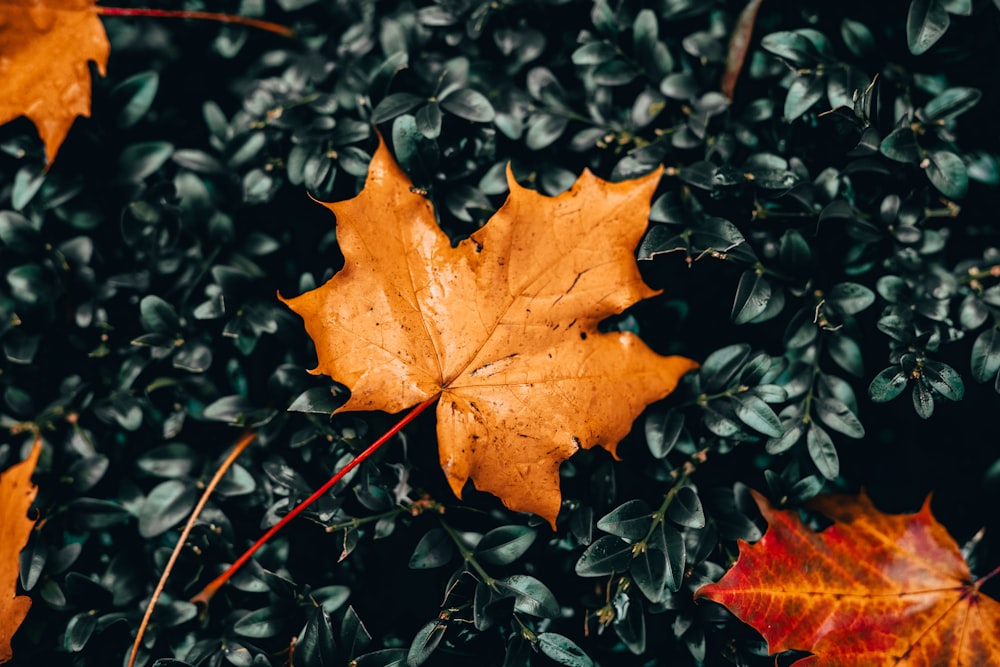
column 502, row 327
column 45, row 46
column 16, row 495
column 872, row 589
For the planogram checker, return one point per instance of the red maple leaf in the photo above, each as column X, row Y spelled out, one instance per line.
column 872, row 589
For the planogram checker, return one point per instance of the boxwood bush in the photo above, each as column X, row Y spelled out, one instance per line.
column 824, row 235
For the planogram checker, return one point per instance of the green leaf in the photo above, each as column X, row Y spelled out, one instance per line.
column 822, row 452
column 470, row 105
column 317, row 400
column 136, row 95
column 428, row 120
column 972, row 313
column 752, row 294
column 266, row 622
column 901, row 145
column 650, row 51
column 143, row 159
column 923, row 400
column 315, row 644
column 951, row 103
column 846, row 352
column 563, row 650
column 354, row 636
column 504, row 545
column 167, row 504
column 926, row 22
column 630, row 623
column 755, row 413
column 27, row 182
column 594, row 53
column 960, row 7
column 944, row 379
column 158, row 316
column 663, row 431
column 331, row 598
column 387, row 657
column 686, row 510
column 948, row 173
column 171, row 460
column 424, row 642
column 787, row 439
column 850, row 298
column 805, row 91
column 630, row 520
column 79, row 631
column 794, row 251
column 719, row 424
column 614, row 73
column 394, row 105
column 530, row 596
column 543, row 129
column 835, row 414
column 858, row 38
column 986, row 355
column 800, row 47
column 434, row 549
column 721, row 366
column 605, row 556
column 660, row 566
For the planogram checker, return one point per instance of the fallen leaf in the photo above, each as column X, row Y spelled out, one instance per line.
column 502, row 327
column 872, row 589
column 16, row 495
column 45, row 47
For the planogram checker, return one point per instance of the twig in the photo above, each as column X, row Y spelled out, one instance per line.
column 241, row 444
column 208, row 591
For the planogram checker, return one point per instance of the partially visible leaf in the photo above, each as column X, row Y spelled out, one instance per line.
column 562, row 650
column 926, row 22
column 878, row 586
column 16, row 495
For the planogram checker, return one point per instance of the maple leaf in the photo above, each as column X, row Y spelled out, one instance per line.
column 502, row 327
column 16, row 495
column 44, row 50
column 872, row 589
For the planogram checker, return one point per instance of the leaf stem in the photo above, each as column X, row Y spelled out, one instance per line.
column 982, row 580
column 284, row 31
column 661, row 513
column 468, row 556
column 208, row 591
column 227, row 463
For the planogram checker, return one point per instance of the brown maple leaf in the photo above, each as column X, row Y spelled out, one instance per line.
column 45, row 47
column 502, row 327
column 872, row 589
column 16, row 495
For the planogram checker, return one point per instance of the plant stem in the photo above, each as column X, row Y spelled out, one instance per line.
column 468, row 556
column 208, row 591
column 284, row 31
column 227, row 463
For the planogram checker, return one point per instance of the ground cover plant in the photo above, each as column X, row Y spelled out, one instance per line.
column 820, row 181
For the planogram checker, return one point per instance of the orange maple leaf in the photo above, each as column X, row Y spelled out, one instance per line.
column 872, row 589
column 44, row 50
column 16, row 495
column 502, row 327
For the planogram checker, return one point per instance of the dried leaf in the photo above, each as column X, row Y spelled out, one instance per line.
column 44, row 71
column 502, row 327
column 16, row 495
column 872, row 589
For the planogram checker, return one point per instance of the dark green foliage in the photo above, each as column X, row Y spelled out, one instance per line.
column 826, row 242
